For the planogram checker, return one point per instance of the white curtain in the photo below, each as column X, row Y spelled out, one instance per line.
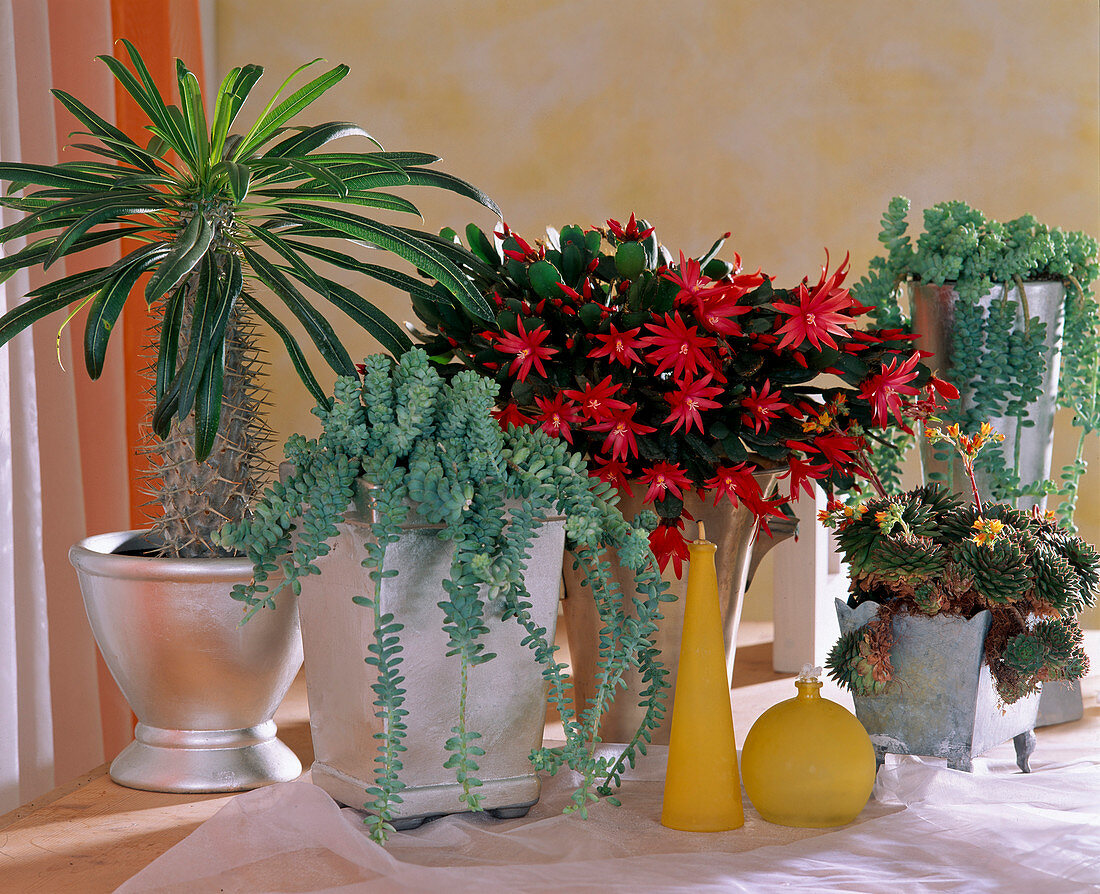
column 51, row 727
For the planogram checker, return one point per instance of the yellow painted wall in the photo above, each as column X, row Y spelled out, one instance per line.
column 790, row 123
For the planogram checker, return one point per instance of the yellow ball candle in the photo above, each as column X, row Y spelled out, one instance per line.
column 807, row 761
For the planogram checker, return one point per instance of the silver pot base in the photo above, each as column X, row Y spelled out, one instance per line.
column 224, row 760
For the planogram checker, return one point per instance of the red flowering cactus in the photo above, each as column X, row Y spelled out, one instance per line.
column 679, row 375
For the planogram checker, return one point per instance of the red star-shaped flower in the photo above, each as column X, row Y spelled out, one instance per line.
column 614, row 472
column 620, row 430
column 715, row 312
column 802, row 474
column 528, row 348
column 819, row 314
column 619, row 346
column 883, row 390
column 596, row 401
column 664, row 476
column 738, row 484
column 762, row 406
column 667, row 542
column 694, row 285
column 688, row 400
column 558, row 414
column 726, row 482
column 679, row 347
column 510, row 416
column 838, row 448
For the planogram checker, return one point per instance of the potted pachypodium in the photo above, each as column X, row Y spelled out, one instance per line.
column 958, row 614
column 210, row 215
column 1008, row 312
column 689, row 384
column 428, row 541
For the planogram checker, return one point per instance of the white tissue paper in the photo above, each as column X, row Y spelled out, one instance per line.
column 926, row 829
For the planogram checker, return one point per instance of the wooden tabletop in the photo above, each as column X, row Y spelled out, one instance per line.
column 92, row 835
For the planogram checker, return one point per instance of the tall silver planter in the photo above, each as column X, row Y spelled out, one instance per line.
column 933, row 308
column 941, row 702
column 204, row 688
column 506, row 700
column 733, row 529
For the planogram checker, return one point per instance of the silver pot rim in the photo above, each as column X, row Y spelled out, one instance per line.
column 96, row 555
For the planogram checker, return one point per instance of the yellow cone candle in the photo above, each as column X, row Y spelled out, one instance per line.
column 702, row 785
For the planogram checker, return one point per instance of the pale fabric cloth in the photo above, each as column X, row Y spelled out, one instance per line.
column 50, row 713
column 929, row 829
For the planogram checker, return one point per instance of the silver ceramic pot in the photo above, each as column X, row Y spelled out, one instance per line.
column 506, row 700
column 733, row 530
column 942, row 701
column 204, row 687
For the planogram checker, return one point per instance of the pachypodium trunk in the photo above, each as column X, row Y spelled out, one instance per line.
column 197, row 498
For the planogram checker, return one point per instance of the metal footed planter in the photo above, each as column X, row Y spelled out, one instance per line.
column 506, row 700
column 941, row 702
column 733, row 529
column 204, row 688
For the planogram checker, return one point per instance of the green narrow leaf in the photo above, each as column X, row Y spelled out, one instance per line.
column 390, row 277
column 271, row 120
column 237, row 176
column 190, row 247
column 194, row 112
column 182, row 128
column 124, row 147
column 382, row 200
column 316, row 326
column 103, row 313
column 388, row 334
column 422, row 177
column 415, row 251
column 370, row 318
column 208, row 404
column 34, row 253
column 19, row 318
column 50, row 175
column 214, row 300
column 168, row 348
column 314, row 137
column 292, row 349
column 101, row 215
column 319, row 173
column 151, row 102
column 231, row 96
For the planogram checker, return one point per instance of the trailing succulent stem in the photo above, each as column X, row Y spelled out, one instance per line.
column 433, row 444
